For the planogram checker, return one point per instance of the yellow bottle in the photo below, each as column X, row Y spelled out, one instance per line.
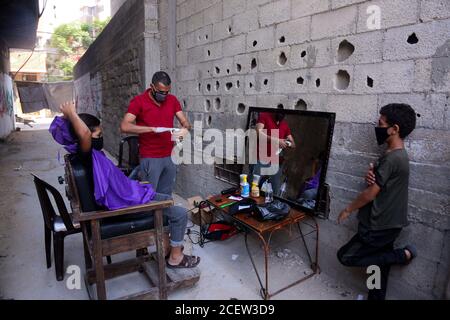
column 255, row 190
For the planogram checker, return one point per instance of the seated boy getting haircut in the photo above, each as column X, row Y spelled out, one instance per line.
column 383, row 205
column 88, row 132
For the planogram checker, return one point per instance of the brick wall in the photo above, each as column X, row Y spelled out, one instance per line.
column 253, row 42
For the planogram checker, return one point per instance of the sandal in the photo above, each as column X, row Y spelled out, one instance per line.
column 168, row 255
column 186, row 262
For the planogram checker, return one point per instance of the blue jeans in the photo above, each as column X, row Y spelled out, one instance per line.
column 177, row 217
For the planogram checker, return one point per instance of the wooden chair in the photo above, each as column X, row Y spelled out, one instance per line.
column 112, row 232
column 59, row 225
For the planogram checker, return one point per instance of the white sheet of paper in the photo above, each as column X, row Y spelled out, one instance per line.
column 163, row 129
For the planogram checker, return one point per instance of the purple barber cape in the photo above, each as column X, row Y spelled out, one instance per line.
column 112, row 188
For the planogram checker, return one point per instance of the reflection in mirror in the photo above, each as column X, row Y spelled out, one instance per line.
column 302, row 146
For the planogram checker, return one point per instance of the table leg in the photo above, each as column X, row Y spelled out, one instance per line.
column 264, row 289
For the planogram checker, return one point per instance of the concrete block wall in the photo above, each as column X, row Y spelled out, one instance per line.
column 254, row 52
column 118, row 66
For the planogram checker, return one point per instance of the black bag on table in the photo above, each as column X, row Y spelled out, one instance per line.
column 275, row 210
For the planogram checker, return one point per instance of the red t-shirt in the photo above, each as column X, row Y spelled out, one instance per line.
column 154, row 145
column 268, row 120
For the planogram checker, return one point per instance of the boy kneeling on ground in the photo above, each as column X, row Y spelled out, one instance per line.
column 383, row 205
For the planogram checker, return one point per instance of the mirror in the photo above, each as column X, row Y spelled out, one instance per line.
column 299, row 142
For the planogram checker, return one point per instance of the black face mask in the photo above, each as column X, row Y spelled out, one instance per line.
column 159, row 97
column 381, row 134
column 279, row 117
column 97, row 143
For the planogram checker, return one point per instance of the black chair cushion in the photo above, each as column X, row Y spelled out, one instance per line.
column 130, row 223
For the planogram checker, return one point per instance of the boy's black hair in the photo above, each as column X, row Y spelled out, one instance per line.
column 402, row 115
column 91, row 122
column 162, row 77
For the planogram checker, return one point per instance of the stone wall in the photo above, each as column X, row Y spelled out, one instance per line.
column 348, row 66
column 118, row 66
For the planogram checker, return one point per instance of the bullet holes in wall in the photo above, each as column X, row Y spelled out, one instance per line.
column 300, row 105
column 369, row 82
column 241, row 108
column 207, row 105
column 345, row 50
column 253, row 64
column 342, row 80
column 412, row 39
column 282, row 59
column 318, row 82
column 300, row 80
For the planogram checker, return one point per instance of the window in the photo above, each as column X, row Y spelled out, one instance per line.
column 228, row 172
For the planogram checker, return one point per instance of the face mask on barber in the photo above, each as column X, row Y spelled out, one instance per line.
column 279, row 116
column 381, row 134
column 97, row 143
column 158, row 96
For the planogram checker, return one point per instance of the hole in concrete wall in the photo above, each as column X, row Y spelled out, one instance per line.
column 228, row 71
column 217, row 70
column 207, row 105
column 282, row 59
column 209, row 53
column 206, row 37
column 250, row 84
column 217, row 85
column 255, row 43
column 282, row 39
column 300, row 80
column 300, row 105
column 238, row 84
column 217, row 104
column 241, row 108
column 229, row 85
column 317, row 82
column 412, row 39
column 280, row 106
column 184, row 104
column 369, row 82
column 229, row 29
column 254, row 64
column 208, row 87
column 303, row 54
column 199, row 87
column 266, row 82
column 342, row 80
column 418, row 115
column 345, row 50
column 238, row 67
column 208, row 120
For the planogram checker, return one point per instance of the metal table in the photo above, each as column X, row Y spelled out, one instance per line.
column 264, row 231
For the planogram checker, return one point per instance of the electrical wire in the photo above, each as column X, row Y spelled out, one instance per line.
column 43, row 9
column 15, row 75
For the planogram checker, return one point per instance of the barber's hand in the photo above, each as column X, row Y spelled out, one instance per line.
column 370, row 176
column 151, row 129
column 283, row 144
column 68, row 108
column 180, row 134
column 343, row 215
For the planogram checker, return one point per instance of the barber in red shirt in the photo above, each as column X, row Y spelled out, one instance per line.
column 266, row 125
column 154, row 108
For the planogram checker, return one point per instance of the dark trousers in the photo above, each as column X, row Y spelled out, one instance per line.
column 369, row 247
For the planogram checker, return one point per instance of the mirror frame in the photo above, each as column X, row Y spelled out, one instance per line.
column 331, row 117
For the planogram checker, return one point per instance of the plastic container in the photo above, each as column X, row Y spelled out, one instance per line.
column 255, row 190
column 245, row 187
column 269, row 193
